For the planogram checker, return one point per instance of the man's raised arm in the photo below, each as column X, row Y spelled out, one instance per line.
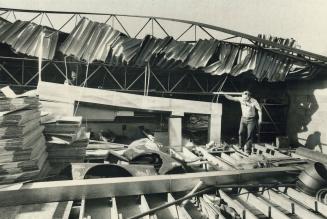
column 229, row 97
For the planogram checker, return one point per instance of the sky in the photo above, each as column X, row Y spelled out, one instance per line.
column 303, row 20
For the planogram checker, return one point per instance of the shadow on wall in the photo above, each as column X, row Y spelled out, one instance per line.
column 303, row 105
column 314, row 141
column 302, row 108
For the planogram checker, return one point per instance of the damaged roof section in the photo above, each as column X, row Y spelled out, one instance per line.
column 92, row 41
column 25, row 37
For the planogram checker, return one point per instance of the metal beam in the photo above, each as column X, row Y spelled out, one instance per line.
column 138, row 77
column 57, row 67
column 40, row 192
column 178, row 82
column 197, row 82
column 49, row 20
column 84, row 83
column 36, row 74
column 155, row 77
column 204, row 30
column 146, row 23
column 161, row 27
column 115, row 16
column 111, row 75
column 9, row 74
column 185, row 31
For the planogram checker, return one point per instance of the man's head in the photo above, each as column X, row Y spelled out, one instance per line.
column 246, row 95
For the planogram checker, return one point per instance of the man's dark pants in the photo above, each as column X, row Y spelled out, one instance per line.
column 247, row 125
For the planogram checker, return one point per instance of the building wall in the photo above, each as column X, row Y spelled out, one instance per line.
column 307, row 116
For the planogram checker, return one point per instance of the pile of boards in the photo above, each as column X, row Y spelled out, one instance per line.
column 23, row 153
column 66, row 139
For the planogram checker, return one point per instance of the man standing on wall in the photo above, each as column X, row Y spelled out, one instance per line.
column 248, row 120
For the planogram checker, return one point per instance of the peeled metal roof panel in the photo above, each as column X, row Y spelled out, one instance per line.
column 90, row 41
column 224, row 64
column 124, row 50
column 201, row 53
column 173, row 55
column 25, row 37
column 245, row 61
column 150, row 46
column 4, row 25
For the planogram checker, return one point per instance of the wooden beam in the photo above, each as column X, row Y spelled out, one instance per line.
column 262, row 205
column 58, row 92
column 307, row 200
column 144, row 206
column 180, row 210
column 289, row 204
column 239, row 208
column 175, row 133
column 40, row 192
column 215, row 161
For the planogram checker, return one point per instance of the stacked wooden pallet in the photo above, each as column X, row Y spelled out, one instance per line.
column 22, row 144
column 66, row 140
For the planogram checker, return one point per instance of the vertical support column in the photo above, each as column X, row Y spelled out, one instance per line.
column 175, row 132
column 214, row 132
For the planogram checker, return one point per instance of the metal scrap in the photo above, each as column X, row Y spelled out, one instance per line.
column 148, row 153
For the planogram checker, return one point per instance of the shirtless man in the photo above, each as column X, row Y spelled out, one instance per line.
column 248, row 120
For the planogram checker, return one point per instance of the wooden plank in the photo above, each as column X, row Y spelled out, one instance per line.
column 210, row 211
column 82, row 209
column 58, row 92
column 228, row 159
column 215, row 161
column 39, row 192
column 239, row 208
column 214, row 131
column 269, row 151
column 180, row 210
column 114, row 210
column 258, row 202
column 175, row 133
column 288, row 204
column 38, row 211
column 145, row 207
column 98, row 208
column 307, row 200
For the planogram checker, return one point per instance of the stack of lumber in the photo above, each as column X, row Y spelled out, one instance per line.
column 22, row 144
column 66, row 140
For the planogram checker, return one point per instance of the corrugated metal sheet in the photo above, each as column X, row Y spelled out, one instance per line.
column 201, row 53
column 4, row 25
column 123, row 51
column 150, row 46
column 173, row 55
column 227, row 56
column 94, row 41
column 25, row 37
column 90, row 41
